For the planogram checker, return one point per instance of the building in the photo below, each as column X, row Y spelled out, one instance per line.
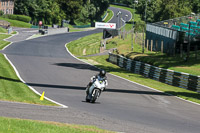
column 7, row 6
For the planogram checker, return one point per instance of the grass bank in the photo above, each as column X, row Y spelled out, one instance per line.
column 2, row 42
column 109, row 16
column 86, row 46
column 124, row 47
column 16, row 23
column 12, row 89
column 2, row 30
column 9, row 125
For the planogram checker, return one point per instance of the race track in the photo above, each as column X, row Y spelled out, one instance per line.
column 45, row 64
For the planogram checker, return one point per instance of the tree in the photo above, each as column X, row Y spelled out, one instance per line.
column 24, row 7
column 101, row 6
column 46, row 10
column 88, row 12
column 195, row 6
column 71, row 8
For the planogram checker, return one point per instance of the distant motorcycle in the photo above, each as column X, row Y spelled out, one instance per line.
column 94, row 90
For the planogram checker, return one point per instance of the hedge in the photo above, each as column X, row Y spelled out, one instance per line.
column 23, row 18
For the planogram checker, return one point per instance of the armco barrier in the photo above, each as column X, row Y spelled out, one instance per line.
column 178, row 79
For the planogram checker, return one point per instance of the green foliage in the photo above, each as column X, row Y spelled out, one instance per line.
column 71, row 8
column 157, row 10
column 54, row 11
column 46, row 10
column 88, row 12
column 23, row 18
column 101, row 6
column 1, row 13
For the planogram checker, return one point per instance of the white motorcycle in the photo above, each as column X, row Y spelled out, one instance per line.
column 94, row 90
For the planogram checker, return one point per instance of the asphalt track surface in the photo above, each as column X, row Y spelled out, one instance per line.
column 44, row 64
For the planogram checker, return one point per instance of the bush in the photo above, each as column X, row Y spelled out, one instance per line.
column 23, row 18
column 1, row 13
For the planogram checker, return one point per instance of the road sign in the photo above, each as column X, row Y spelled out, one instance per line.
column 105, row 25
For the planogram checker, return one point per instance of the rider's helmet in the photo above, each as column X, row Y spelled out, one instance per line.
column 102, row 73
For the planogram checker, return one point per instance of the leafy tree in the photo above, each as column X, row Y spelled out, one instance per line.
column 46, row 10
column 158, row 10
column 101, row 6
column 71, row 8
column 88, row 12
column 195, row 6
column 24, row 7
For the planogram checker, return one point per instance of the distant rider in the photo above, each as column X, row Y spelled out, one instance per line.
column 101, row 77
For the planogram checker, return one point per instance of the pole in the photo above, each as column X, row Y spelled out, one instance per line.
column 144, row 26
column 118, row 15
column 133, row 27
column 188, row 46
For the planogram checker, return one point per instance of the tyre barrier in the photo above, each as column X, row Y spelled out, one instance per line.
column 170, row 77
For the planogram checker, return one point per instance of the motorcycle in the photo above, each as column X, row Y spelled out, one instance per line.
column 94, row 90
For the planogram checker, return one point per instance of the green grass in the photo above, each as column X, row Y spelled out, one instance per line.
column 16, row 23
column 192, row 66
column 12, row 89
column 86, row 46
column 109, row 16
column 10, row 125
column 2, row 42
column 2, row 30
column 124, row 47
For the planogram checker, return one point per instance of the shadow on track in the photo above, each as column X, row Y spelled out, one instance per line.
column 77, row 66
column 107, row 90
column 83, row 88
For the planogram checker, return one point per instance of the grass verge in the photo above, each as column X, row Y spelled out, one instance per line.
column 2, row 30
column 101, row 62
column 2, row 42
column 12, row 89
column 87, row 45
column 8, row 125
column 109, row 16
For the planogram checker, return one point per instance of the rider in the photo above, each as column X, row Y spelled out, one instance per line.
column 101, row 77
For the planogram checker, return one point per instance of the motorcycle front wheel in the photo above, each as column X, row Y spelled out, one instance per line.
column 96, row 93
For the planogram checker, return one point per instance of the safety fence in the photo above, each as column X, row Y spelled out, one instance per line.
column 178, row 79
